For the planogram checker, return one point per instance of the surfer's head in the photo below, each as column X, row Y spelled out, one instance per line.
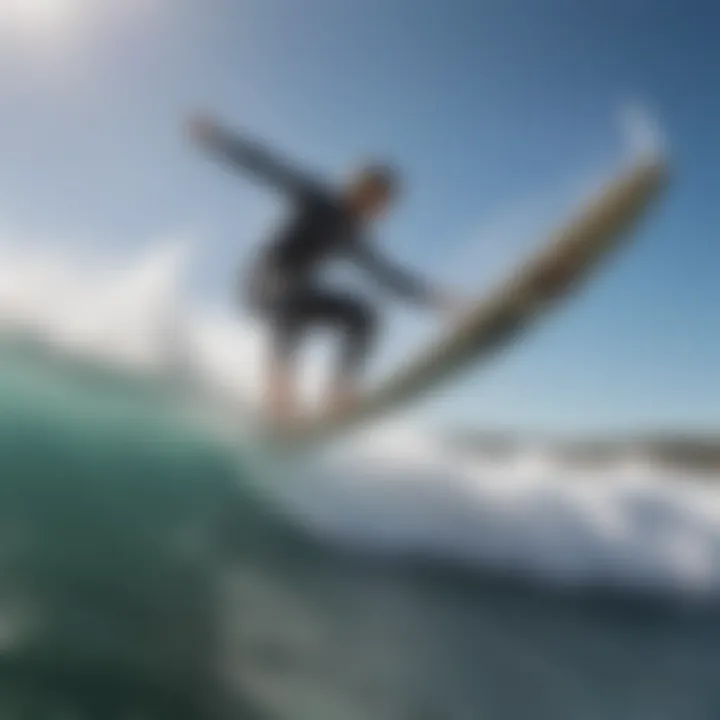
column 372, row 189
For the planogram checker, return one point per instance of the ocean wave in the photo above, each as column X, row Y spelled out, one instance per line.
column 397, row 490
column 634, row 525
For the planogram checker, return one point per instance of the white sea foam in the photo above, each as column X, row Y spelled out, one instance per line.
column 625, row 525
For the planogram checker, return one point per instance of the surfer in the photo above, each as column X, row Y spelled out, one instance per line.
column 284, row 287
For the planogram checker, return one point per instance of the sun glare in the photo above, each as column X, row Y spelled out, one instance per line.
column 36, row 16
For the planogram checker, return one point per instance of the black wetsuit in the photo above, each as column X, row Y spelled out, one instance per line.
column 284, row 284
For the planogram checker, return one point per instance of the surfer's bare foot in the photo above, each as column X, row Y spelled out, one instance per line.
column 342, row 398
column 282, row 403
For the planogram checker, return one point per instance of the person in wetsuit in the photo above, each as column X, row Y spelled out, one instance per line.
column 285, row 286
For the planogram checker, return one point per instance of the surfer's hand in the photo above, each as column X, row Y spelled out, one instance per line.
column 202, row 128
column 449, row 305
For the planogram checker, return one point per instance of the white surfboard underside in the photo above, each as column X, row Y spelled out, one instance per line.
column 542, row 283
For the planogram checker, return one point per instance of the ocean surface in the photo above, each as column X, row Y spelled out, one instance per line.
column 158, row 560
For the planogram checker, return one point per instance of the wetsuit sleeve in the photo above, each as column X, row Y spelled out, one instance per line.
column 390, row 275
column 256, row 160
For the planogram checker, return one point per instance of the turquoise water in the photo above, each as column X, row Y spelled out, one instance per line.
column 147, row 570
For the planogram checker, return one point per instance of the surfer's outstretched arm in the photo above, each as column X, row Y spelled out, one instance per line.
column 252, row 157
column 400, row 281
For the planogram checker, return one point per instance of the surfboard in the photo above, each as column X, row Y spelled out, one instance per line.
column 542, row 283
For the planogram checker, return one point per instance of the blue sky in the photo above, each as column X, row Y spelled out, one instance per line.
column 497, row 111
